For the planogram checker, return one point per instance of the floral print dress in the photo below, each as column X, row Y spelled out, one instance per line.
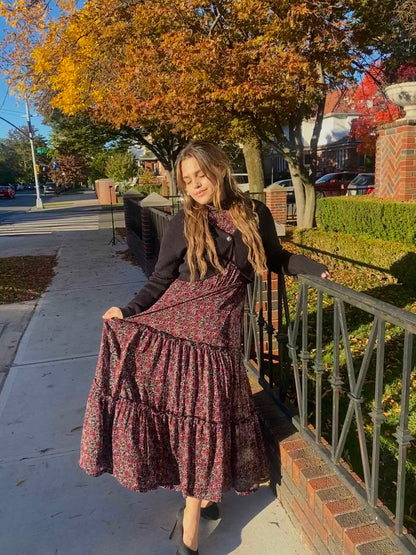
column 170, row 405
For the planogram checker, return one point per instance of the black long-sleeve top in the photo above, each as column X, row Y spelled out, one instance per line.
column 172, row 263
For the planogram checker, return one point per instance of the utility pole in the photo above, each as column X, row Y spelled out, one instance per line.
column 39, row 203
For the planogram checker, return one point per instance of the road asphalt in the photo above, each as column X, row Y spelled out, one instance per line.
column 48, row 352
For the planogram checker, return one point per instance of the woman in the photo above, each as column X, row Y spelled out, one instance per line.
column 170, row 403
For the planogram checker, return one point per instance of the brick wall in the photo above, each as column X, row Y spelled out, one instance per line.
column 396, row 160
column 141, row 237
column 276, row 201
column 331, row 516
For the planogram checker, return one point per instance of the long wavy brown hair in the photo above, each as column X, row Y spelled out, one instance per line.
column 215, row 164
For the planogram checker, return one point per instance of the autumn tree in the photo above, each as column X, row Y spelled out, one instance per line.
column 69, row 171
column 406, row 14
column 237, row 72
column 374, row 108
column 33, row 25
column 243, row 72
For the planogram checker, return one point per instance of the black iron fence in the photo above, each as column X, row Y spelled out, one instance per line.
column 176, row 205
column 332, row 352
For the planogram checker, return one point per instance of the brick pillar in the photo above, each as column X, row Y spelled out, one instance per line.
column 276, row 200
column 105, row 190
column 147, row 233
column 396, row 160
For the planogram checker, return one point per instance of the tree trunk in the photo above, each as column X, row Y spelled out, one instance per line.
column 310, row 204
column 304, row 196
column 254, row 164
column 304, row 189
column 317, row 128
column 173, row 189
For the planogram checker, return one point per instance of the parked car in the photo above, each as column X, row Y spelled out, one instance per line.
column 7, row 191
column 288, row 185
column 333, row 184
column 242, row 181
column 363, row 184
column 50, row 188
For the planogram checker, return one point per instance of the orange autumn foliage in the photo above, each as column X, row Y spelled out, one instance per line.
column 190, row 65
column 229, row 70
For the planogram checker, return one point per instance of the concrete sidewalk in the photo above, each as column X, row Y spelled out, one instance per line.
column 48, row 505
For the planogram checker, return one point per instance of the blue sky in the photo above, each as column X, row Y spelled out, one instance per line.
column 14, row 110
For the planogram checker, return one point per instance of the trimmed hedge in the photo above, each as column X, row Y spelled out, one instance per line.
column 369, row 217
column 397, row 259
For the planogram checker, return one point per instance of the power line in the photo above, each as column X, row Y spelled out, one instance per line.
column 12, row 111
column 5, row 96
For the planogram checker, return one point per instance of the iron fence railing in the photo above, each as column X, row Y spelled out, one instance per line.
column 313, row 348
column 160, row 220
column 177, row 201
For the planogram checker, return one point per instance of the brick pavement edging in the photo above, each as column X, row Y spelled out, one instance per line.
column 330, row 516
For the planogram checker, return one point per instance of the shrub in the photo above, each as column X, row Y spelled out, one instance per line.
column 397, row 259
column 148, row 180
column 402, row 74
column 369, row 217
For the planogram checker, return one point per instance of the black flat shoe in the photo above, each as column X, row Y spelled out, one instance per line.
column 211, row 512
column 182, row 549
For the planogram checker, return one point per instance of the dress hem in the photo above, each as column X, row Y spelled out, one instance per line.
column 217, row 498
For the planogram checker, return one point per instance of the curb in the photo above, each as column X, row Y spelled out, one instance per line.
column 14, row 319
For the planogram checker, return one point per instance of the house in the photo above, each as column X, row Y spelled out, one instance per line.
column 149, row 163
column 337, row 150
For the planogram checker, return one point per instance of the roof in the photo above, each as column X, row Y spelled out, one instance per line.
column 339, row 101
column 154, row 199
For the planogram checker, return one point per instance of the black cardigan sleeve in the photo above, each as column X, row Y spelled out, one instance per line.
column 278, row 259
column 171, row 255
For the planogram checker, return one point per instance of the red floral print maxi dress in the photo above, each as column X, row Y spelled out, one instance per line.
column 170, row 404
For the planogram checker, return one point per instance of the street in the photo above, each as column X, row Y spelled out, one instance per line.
column 20, row 204
column 20, row 216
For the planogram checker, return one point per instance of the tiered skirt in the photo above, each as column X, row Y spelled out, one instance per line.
column 170, row 405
